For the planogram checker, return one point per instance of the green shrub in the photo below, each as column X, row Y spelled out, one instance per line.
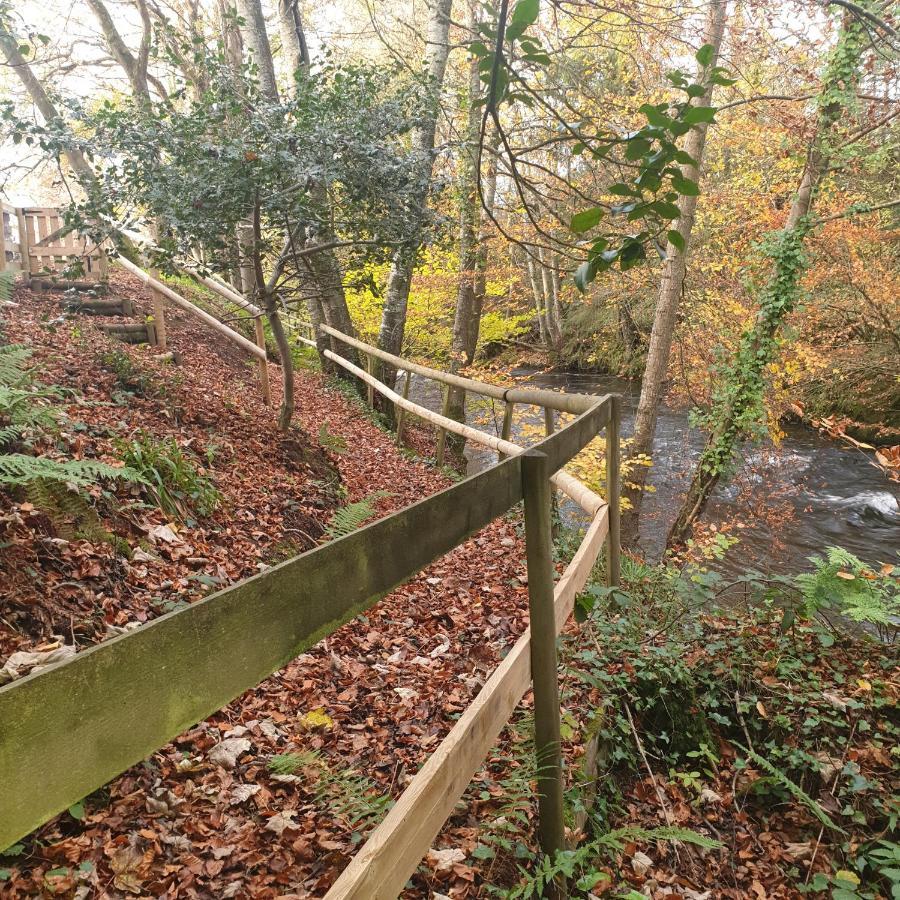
column 172, row 478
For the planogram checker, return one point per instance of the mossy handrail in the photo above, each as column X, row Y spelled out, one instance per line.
column 67, row 730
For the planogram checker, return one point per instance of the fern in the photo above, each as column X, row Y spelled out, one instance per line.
column 333, row 442
column 582, row 862
column 842, row 583
column 794, row 790
column 350, row 517
column 19, row 470
column 347, row 794
column 7, row 283
column 12, row 364
column 69, row 511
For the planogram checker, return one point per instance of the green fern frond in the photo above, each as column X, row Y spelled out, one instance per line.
column 353, row 515
column 12, row 364
column 19, row 470
column 333, row 442
column 7, row 283
column 794, row 790
column 619, row 837
column 69, row 511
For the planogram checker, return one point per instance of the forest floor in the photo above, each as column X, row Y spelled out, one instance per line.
column 270, row 797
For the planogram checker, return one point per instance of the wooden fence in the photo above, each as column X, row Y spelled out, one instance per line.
column 66, row 731
column 34, row 240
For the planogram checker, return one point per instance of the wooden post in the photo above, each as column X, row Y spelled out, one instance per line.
column 539, row 552
column 549, row 422
column 370, row 391
column 260, row 335
column 442, row 433
column 24, row 248
column 613, row 488
column 3, row 215
column 159, row 313
column 507, row 423
column 401, row 411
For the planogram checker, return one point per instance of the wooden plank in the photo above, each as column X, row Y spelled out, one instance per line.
column 384, row 863
column 68, row 730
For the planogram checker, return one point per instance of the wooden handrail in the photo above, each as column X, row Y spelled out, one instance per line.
column 570, row 403
column 178, row 300
column 69, row 729
column 589, row 501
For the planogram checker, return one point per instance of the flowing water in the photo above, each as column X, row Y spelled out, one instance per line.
column 791, row 500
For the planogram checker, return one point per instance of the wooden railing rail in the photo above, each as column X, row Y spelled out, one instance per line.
column 385, row 862
column 66, row 731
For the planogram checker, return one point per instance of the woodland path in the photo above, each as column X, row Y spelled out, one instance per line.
column 389, row 683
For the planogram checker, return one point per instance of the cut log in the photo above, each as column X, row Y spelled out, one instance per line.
column 49, row 284
column 96, row 307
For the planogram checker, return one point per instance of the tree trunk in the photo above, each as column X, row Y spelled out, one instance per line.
column 256, row 39
column 744, row 384
column 670, row 289
column 393, row 319
column 293, row 36
column 551, row 304
column 537, row 291
column 286, row 411
column 10, row 47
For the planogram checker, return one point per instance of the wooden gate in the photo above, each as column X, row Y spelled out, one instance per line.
column 38, row 246
column 11, row 257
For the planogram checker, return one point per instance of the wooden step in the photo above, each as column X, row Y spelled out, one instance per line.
column 130, row 332
column 38, row 283
column 94, row 306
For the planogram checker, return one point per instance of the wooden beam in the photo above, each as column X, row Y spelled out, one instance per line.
column 178, row 300
column 68, row 730
column 572, row 403
column 547, row 739
column 595, row 418
column 613, row 493
column 384, row 863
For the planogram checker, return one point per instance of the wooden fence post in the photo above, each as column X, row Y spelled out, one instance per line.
column 260, row 335
column 370, row 368
column 613, row 555
column 539, row 552
column 507, row 423
column 24, row 245
column 442, row 434
column 401, row 411
column 549, row 421
column 159, row 313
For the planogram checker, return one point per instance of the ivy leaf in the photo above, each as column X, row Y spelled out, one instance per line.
column 586, row 219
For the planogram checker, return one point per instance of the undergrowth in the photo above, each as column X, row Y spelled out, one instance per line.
column 175, row 482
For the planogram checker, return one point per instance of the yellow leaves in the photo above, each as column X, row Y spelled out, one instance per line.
column 316, row 720
column 864, row 685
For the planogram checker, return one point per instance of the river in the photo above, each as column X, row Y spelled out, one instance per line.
column 786, row 502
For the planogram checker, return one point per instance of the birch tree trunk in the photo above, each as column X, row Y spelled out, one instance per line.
column 393, row 319
column 671, row 286
column 256, row 40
